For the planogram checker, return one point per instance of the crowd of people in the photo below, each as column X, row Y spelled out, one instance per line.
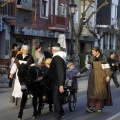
column 53, row 63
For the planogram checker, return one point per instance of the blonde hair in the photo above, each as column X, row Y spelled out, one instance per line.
column 69, row 64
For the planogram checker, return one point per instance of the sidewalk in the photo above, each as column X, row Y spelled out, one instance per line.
column 4, row 85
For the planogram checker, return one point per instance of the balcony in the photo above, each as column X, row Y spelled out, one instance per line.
column 26, row 5
column 57, row 23
column 7, row 11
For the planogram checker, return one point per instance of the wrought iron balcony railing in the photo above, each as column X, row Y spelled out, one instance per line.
column 7, row 10
column 26, row 4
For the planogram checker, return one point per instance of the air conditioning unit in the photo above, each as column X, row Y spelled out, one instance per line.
column 62, row 11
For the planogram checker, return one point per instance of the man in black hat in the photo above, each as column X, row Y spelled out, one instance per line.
column 57, row 74
column 48, row 53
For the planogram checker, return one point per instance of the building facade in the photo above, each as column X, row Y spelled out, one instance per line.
column 108, row 23
column 35, row 22
column 6, row 13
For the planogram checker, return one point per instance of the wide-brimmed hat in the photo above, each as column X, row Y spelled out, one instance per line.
column 69, row 64
column 48, row 61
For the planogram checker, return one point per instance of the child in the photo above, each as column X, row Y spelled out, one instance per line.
column 45, row 67
column 71, row 74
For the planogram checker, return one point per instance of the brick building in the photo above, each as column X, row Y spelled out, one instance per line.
column 33, row 22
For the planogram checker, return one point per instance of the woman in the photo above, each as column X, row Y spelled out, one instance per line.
column 17, row 93
column 39, row 55
column 13, row 55
column 98, row 92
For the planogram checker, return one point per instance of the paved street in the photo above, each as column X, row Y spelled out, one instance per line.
column 8, row 111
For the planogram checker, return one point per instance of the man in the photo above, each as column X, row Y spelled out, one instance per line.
column 113, row 68
column 48, row 53
column 57, row 74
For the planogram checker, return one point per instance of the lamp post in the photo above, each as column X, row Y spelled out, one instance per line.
column 72, row 12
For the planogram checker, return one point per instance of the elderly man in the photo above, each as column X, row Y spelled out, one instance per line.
column 57, row 74
column 23, row 58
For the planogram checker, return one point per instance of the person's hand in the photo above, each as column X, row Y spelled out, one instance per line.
column 61, row 89
column 107, row 79
column 78, row 75
column 11, row 76
column 113, row 64
column 40, row 78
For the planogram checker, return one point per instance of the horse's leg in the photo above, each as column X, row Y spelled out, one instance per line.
column 40, row 103
column 22, row 105
column 34, row 102
column 50, row 100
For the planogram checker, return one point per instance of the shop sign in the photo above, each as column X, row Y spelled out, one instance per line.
column 27, row 31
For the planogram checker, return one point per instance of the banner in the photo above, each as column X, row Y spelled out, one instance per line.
column 62, row 41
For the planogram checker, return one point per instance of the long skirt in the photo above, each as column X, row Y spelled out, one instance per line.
column 92, row 102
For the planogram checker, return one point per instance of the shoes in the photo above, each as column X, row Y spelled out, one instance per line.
column 99, row 110
column 56, row 118
column 89, row 110
column 50, row 109
column 62, row 115
column 118, row 85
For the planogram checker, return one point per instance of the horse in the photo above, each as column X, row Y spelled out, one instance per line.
column 27, row 76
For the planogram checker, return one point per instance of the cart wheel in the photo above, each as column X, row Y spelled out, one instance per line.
column 72, row 101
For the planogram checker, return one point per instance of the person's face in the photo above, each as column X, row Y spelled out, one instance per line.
column 49, row 49
column 113, row 55
column 53, row 51
column 16, row 48
column 25, row 51
column 39, row 49
column 95, row 53
column 72, row 67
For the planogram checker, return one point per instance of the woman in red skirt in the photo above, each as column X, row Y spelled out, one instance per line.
column 98, row 91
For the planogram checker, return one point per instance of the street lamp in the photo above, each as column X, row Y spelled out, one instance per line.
column 72, row 12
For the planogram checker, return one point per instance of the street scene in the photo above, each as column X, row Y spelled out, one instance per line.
column 9, row 111
column 59, row 59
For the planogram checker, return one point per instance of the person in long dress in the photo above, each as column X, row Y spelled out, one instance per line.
column 17, row 93
column 98, row 91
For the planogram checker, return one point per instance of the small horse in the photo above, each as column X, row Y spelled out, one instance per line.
column 27, row 76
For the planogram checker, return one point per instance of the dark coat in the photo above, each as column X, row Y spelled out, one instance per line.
column 57, row 71
column 112, row 68
column 47, row 54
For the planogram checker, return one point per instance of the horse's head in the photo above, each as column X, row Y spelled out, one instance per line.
column 23, row 71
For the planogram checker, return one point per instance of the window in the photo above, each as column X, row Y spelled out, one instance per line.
column 111, row 41
column 7, row 9
column 25, row 2
column 92, row 19
column 105, row 42
column 114, row 11
column 53, row 7
column 76, row 16
column 62, row 11
column 44, row 8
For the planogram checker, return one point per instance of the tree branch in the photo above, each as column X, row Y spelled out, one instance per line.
column 5, row 3
column 94, row 12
